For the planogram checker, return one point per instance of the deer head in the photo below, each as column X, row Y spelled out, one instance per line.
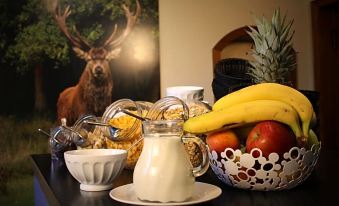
column 97, row 58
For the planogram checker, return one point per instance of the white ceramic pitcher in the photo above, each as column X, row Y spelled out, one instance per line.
column 164, row 172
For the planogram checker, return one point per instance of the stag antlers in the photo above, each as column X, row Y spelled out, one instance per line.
column 111, row 44
column 77, row 41
column 131, row 19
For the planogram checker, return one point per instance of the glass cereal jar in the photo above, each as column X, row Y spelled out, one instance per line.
column 129, row 127
column 92, row 134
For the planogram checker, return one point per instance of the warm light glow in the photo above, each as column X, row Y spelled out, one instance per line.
column 143, row 50
column 139, row 53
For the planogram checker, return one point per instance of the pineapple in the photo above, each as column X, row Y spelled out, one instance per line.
column 274, row 57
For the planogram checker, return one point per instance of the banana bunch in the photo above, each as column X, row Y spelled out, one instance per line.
column 255, row 103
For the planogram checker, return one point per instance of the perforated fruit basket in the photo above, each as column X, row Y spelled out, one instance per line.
column 255, row 172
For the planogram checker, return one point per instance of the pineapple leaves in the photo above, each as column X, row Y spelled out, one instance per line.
column 273, row 54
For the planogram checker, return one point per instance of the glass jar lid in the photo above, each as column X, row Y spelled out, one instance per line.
column 169, row 108
column 123, row 115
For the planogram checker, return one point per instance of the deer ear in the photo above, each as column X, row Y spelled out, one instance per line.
column 114, row 53
column 81, row 54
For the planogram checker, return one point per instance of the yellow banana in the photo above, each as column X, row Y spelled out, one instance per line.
column 313, row 139
column 271, row 91
column 244, row 113
column 313, row 120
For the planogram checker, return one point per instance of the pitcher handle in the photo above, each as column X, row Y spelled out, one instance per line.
column 201, row 169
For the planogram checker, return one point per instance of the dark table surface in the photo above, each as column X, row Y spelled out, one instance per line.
column 321, row 188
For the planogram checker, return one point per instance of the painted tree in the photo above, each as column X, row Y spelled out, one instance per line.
column 39, row 39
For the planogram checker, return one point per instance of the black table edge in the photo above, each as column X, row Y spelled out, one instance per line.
column 52, row 200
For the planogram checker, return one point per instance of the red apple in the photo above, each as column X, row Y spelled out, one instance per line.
column 271, row 136
column 221, row 140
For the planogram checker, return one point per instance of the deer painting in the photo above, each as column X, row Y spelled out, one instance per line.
column 93, row 93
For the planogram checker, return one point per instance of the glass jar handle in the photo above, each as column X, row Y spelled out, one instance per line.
column 201, row 169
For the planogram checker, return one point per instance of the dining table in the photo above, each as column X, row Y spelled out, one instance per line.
column 54, row 185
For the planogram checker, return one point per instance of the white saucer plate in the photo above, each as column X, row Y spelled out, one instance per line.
column 203, row 192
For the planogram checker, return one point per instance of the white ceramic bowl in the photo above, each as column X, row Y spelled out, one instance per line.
column 255, row 172
column 95, row 169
